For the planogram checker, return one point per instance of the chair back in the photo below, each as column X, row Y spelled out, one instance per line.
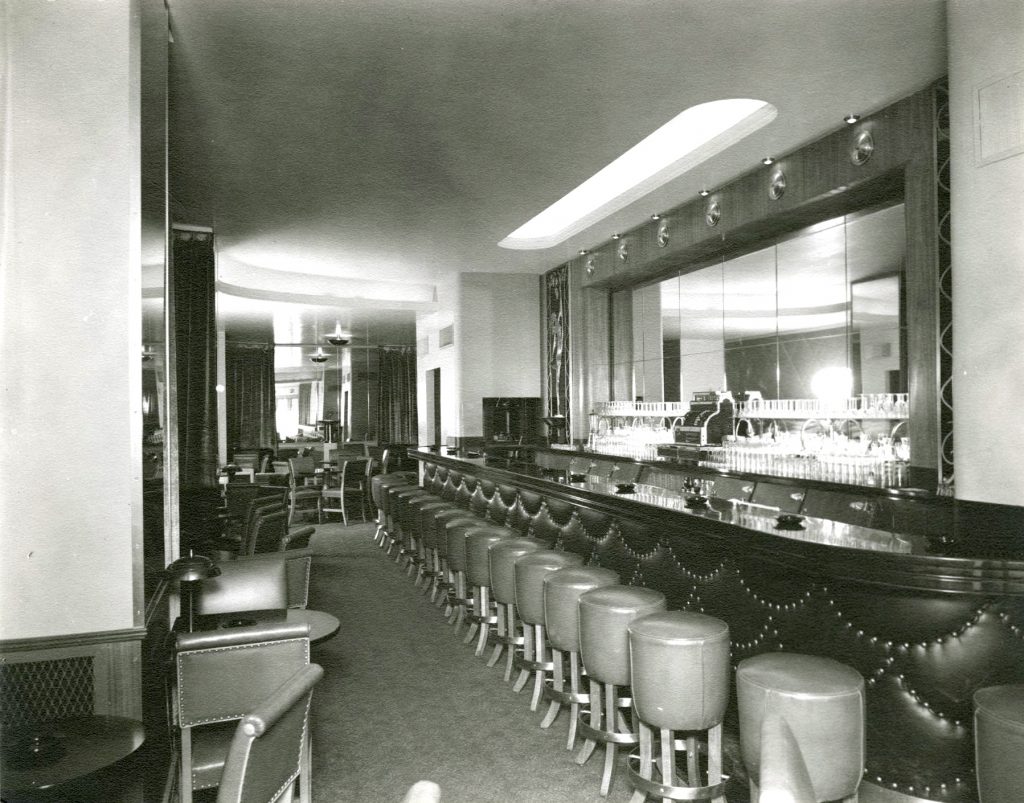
column 244, row 585
column 298, row 565
column 301, row 468
column 265, row 756
column 220, row 672
column 269, row 528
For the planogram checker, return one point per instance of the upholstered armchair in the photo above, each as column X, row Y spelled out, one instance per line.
column 270, row 748
column 244, row 585
column 218, row 675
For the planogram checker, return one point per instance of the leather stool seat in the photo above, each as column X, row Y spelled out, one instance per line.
column 455, row 538
column 530, row 571
column 999, row 743
column 400, row 499
column 503, row 556
column 429, row 568
column 437, row 521
column 680, row 677
column 605, row 614
column 479, row 541
column 379, row 486
column 821, row 702
column 562, row 590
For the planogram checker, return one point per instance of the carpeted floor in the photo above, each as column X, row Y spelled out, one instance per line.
column 404, row 699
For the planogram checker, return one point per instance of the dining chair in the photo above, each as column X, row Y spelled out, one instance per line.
column 218, row 674
column 343, row 485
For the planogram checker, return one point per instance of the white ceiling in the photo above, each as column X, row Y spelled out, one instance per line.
column 349, row 154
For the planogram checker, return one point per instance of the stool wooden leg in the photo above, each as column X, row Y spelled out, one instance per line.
column 668, row 759
column 646, row 768
column 540, row 651
column 558, row 684
column 485, row 611
column 471, row 630
column 575, row 686
column 524, row 674
column 512, row 626
column 502, row 632
column 595, row 722
column 715, row 759
column 611, row 715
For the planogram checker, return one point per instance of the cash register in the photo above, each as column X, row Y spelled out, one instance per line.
column 708, row 421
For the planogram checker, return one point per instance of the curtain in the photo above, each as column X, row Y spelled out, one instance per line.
column 396, row 397
column 250, row 396
column 195, row 334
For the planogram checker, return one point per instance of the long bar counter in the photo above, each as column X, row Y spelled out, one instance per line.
column 924, row 622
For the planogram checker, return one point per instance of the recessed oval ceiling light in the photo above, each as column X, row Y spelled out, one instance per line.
column 685, row 141
column 851, row 118
column 616, row 236
column 704, row 193
column 767, row 160
column 655, row 217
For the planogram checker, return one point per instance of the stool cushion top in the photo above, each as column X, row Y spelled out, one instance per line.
column 1004, row 703
column 582, row 577
column 679, row 627
column 550, row 558
column 491, row 529
column 622, row 599
column 801, row 675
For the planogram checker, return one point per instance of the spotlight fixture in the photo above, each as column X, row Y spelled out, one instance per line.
column 767, row 160
column 655, row 217
column 337, row 337
column 583, row 252
column 704, row 193
column 850, row 119
column 319, row 357
column 616, row 236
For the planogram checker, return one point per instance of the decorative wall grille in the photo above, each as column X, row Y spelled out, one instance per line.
column 945, row 267
column 40, row 691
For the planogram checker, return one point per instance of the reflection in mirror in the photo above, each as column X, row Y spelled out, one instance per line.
column 820, row 313
column 813, row 305
column 750, row 323
column 153, row 177
column 648, row 383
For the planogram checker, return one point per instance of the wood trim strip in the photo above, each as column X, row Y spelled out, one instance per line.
column 71, row 640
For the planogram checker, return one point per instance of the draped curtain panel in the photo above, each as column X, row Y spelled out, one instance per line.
column 195, row 333
column 250, row 396
column 556, row 307
column 396, row 397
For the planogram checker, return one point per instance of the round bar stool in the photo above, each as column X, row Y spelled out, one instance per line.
column 410, row 551
column 680, row 677
column 426, row 574
column 562, row 590
column 605, row 613
column 999, row 743
column 436, row 522
column 503, row 556
column 820, row 703
column 459, row 599
column 479, row 541
column 379, row 486
column 392, row 528
column 530, row 571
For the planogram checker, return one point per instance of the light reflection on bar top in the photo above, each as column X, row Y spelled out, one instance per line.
column 762, row 519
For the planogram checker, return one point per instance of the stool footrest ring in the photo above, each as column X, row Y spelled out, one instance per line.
column 508, row 641
column 655, row 789
column 590, row 732
column 551, row 693
column 532, row 666
column 476, row 618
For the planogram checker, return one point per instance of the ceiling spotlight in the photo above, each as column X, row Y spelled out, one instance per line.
column 767, row 160
column 319, row 357
column 616, row 236
column 704, row 193
column 655, row 217
column 583, row 252
column 851, row 118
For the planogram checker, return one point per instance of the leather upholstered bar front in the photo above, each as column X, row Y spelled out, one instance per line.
column 924, row 630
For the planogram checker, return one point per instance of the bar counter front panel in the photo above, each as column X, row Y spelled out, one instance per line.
column 924, row 625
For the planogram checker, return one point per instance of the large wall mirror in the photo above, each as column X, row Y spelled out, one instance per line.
column 306, row 379
column 817, row 312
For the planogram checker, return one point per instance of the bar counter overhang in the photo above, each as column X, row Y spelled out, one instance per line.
column 925, row 621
